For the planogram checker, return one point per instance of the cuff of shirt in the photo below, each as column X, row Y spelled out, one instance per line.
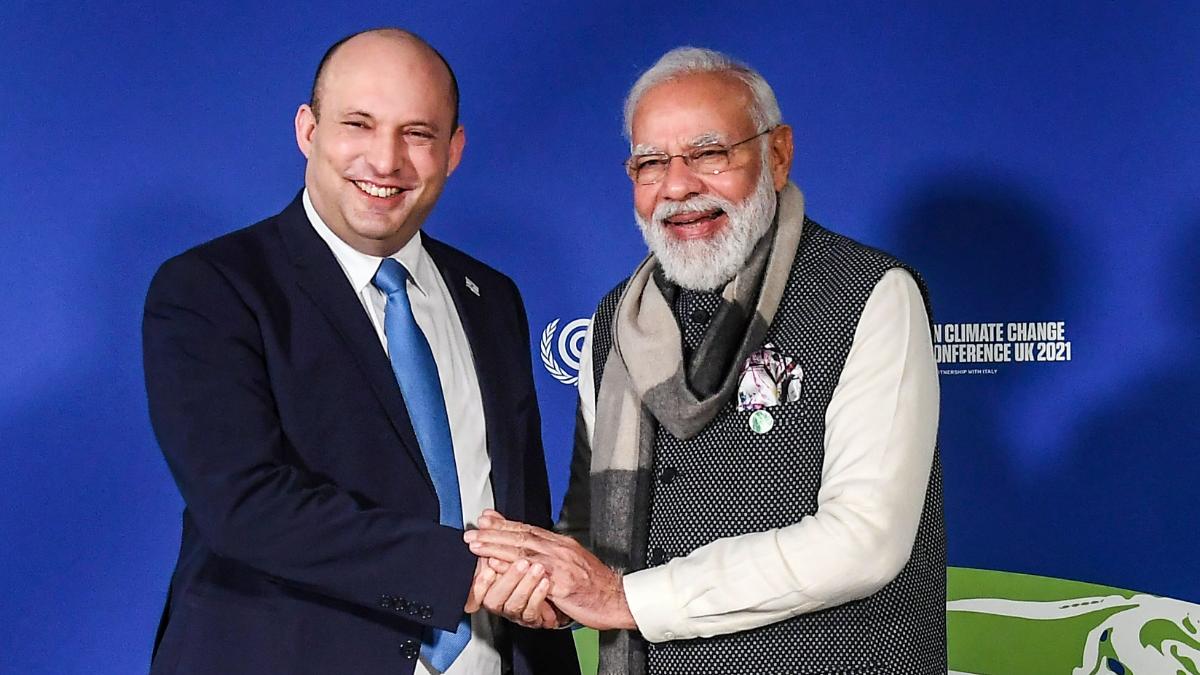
column 651, row 601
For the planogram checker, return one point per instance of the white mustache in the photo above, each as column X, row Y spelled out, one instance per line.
column 695, row 204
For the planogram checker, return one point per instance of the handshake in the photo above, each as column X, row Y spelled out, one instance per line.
column 540, row 579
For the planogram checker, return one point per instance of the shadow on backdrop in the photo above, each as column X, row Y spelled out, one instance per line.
column 1147, row 435
column 991, row 250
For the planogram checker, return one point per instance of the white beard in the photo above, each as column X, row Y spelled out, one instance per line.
column 708, row 264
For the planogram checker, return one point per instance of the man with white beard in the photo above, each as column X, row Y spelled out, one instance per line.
column 755, row 486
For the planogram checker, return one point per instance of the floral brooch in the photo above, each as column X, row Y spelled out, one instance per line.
column 768, row 378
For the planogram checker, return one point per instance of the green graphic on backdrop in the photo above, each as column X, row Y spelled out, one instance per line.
column 1002, row 623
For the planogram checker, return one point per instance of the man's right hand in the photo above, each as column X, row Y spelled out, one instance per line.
column 519, row 594
column 590, row 591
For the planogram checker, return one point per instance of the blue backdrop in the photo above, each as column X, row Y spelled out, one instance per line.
column 1037, row 160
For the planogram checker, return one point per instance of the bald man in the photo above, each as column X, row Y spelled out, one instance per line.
column 338, row 396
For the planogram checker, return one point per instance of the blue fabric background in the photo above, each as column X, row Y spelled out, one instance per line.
column 1037, row 160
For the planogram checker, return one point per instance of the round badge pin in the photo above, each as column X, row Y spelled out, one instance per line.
column 761, row 421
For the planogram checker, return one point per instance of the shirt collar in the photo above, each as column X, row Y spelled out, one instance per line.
column 360, row 267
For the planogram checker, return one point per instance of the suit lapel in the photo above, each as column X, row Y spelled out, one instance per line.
column 323, row 281
column 471, row 301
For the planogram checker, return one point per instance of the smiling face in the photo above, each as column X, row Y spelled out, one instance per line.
column 382, row 147
column 702, row 228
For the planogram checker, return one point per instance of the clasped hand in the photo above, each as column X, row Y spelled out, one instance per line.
column 540, row 579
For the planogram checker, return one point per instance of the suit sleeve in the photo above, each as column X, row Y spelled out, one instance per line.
column 541, row 652
column 214, row 414
column 537, row 492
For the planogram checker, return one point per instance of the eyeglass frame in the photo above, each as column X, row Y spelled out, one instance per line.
column 687, row 158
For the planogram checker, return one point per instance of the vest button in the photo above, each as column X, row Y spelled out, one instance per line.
column 668, row 475
column 657, row 556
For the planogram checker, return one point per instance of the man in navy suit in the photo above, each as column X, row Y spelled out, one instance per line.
column 323, row 531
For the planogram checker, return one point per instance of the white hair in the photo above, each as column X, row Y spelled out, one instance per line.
column 764, row 111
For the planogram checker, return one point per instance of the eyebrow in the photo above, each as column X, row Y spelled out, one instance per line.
column 646, row 149
column 706, row 138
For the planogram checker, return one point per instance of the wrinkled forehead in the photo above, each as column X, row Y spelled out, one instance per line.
column 694, row 110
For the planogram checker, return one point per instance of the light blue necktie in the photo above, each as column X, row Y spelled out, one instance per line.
column 417, row 373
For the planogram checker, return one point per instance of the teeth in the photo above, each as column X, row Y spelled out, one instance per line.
column 376, row 190
column 688, row 220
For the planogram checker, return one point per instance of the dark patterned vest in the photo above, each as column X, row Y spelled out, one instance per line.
column 729, row 480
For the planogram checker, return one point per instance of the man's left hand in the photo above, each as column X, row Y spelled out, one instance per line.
column 581, row 585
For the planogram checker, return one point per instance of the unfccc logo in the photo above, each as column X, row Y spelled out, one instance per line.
column 569, row 349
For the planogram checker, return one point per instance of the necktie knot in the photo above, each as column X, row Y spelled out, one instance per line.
column 390, row 277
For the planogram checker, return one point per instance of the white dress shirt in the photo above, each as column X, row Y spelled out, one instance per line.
column 880, row 430
column 433, row 309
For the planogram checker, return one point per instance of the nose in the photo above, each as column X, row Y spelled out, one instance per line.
column 388, row 154
column 680, row 182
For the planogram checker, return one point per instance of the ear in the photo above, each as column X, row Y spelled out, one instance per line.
column 306, row 125
column 780, row 147
column 457, row 142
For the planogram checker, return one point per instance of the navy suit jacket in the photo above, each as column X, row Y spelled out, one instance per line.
column 311, row 541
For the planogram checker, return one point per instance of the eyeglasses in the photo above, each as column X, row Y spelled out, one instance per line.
column 709, row 159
